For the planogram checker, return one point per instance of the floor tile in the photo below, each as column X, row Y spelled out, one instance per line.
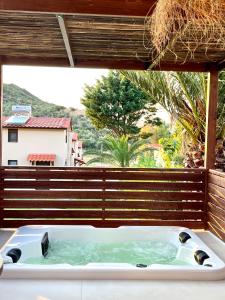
column 40, row 290
column 153, row 290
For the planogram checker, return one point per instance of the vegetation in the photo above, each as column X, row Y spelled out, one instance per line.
column 147, row 160
column 117, row 151
column 14, row 95
column 184, row 96
column 87, row 133
column 117, row 104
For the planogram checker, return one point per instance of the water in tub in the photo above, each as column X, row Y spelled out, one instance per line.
column 132, row 252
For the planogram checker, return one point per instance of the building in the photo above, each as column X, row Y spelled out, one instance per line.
column 40, row 141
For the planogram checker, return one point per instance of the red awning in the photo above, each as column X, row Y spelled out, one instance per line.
column 41, row 157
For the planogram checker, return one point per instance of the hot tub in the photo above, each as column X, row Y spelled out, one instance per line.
column 85, row 252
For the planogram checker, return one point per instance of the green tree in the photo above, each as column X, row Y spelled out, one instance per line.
column 88, row 134
column 117, row 104
column 117, row 151
column 147, row 160
column 184, row 97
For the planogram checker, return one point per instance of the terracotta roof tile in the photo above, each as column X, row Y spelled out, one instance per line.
column 75, row 136
column 40, row 122
column 155, row 146
column 41, row 157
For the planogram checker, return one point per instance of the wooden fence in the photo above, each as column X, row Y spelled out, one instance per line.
column 102, row 197
column 216, row 203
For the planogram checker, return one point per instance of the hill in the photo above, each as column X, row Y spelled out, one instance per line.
column 14, row 95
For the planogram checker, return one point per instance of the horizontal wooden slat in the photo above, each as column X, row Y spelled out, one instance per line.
column 16, row 194
column 115, row 185
column 216, row 221
column 113, row 214
column 216, row 190
column 216, row 180
column 154, row 205
column 104, row 169
column 216, row 211
column 103, row 223
column 217, row 201
column 102, row 197
column 217, row 231
column 216, row 173
column 116, row 175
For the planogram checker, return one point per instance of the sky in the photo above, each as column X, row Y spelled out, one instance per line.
column 63, row 86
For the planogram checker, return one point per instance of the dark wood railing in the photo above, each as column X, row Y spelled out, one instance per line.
column 216, row 203
column 102, row 197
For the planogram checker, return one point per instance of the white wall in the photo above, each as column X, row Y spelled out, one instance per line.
column 36, row 141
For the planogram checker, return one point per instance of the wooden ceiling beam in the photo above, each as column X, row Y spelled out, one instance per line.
column 92, row 7
column 65, row 39
column 221, row 65
column 34, row 61
column 79, row 63
column 185, row 67
column 102, row 63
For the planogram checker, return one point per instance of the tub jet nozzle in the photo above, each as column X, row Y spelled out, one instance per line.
column 141, row 266
column 15, row 254
column 184, row 236
column 200, row 256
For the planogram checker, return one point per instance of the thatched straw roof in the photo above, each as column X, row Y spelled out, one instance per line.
column 34, row 38
column 187, row 30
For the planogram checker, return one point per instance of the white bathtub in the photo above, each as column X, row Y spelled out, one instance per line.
column 28, row 240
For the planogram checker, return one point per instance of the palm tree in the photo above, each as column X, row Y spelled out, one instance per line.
column 184, row 97
column 117, row 151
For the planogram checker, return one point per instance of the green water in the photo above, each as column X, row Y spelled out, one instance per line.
column 132, row 252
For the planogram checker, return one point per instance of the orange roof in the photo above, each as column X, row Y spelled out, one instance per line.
column 75, row 136
column 40, row 122
column 41, row 157
column 155, row 146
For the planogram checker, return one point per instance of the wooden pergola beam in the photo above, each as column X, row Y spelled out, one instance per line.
column 211, row 119
column 65, row 37
column 92, row 7
column 102, row 63
column 221, row 65
column 1, row 108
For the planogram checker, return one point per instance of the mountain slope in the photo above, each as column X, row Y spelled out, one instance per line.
column 14, row 95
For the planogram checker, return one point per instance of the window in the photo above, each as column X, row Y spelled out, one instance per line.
column 43, row 163
column 12, row 135
column 12, row 162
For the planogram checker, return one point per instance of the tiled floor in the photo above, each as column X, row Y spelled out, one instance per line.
column 115, row 290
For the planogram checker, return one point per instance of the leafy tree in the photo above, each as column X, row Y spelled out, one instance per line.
column 147, row 160
column 117, row 151
column 184, row 96
column 88, row 134
column 155, row 132
column 171, row 148
column 117, row 104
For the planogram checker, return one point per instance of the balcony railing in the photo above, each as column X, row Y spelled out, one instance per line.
column 216, row 203
column 103, row 197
